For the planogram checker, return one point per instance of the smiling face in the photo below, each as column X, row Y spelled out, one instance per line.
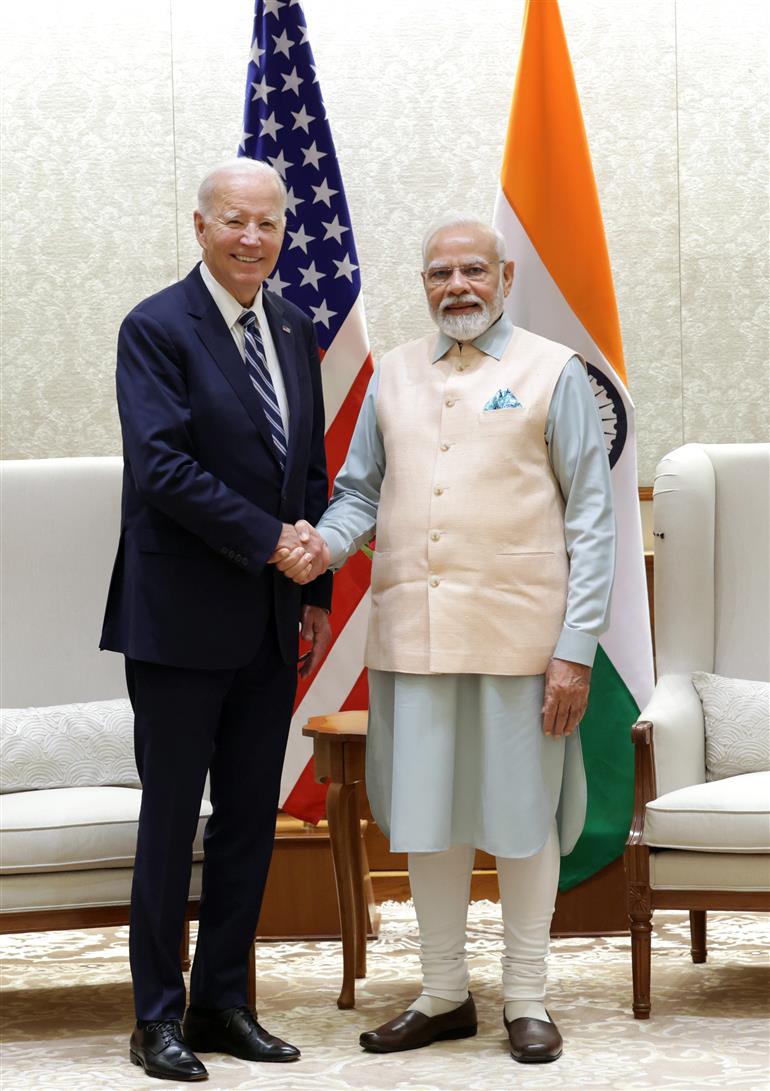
column 240, row 231
column 465, row 281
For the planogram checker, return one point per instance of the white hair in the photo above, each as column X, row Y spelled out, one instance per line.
column 462, row 219
column 238, row 163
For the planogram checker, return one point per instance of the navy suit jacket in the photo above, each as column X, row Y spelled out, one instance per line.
column 203, row 494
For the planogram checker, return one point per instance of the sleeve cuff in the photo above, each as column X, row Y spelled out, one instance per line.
column 337, row 550
column 576, row 647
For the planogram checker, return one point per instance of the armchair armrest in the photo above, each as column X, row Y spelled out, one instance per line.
column 679, row 754
column 644, row 777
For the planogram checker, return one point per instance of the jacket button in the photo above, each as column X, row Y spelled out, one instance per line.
column 434, row 581
column 437, row 491
column 434, row 537
column 231, row 553
column 244, row 562
column 449, row 402
column 444, row 446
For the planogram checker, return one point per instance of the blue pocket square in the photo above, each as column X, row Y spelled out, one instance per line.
column 503, row 399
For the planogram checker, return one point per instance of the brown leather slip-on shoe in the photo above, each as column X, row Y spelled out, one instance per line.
column 533, row 1041
column 412, row 1029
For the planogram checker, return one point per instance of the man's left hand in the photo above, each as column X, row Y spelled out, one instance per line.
column 317, row 631
column 566, row 696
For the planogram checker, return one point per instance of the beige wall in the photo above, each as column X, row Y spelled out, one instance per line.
column 113, row 109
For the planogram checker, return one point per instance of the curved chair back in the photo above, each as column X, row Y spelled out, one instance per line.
column 60, row 525
column 712, row 560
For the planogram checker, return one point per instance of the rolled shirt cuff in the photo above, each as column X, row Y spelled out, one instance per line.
column 576, row 646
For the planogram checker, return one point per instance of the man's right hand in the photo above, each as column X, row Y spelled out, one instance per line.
column 300, row 552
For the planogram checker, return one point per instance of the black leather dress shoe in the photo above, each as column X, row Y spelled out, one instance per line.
column 412, row 1029
column 533, row 1041
column 234, row 1031
column 162, row 1052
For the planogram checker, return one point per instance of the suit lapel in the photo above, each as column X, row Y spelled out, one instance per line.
column 284, row 340
column 218, row 340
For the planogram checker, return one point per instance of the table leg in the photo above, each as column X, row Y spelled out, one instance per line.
column 340, row 816
column 359, row 893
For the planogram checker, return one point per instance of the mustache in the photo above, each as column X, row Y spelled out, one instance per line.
column 465, row 300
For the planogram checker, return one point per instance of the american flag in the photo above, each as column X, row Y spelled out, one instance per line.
column 285, row 124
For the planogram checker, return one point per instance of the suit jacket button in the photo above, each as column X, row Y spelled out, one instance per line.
column 231, row 553
column 244, row 562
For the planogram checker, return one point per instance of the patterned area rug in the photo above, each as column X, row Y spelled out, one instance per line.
column 66, row 1013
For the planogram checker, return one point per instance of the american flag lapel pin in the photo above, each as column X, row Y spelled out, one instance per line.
column 285, row 328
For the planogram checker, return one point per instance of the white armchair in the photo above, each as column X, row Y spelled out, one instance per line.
column 698, row 843
column 70, row 796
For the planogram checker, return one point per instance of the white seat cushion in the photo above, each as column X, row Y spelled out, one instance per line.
column 731, row 815
column 64, row 829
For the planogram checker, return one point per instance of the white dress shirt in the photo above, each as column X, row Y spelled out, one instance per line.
column 231, row 310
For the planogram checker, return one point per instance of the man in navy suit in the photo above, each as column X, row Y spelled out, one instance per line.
column 219, row 393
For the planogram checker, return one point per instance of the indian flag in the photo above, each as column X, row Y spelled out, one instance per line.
column 548, row 210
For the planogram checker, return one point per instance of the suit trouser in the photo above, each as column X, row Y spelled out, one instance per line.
column 233, row 724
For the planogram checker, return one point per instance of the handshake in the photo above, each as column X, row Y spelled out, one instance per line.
column 300, row 552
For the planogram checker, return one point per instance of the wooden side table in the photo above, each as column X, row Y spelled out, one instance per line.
column 339, row 749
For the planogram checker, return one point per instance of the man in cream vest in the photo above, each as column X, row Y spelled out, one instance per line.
column 479, row 459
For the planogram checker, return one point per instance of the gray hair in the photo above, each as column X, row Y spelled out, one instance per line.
column 238, row 163
column 462, row 219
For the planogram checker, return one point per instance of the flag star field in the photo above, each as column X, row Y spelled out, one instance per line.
column 285, row 125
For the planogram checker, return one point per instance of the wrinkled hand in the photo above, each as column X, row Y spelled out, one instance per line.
column 566, row 696
column 300, row 553
column 317, row 631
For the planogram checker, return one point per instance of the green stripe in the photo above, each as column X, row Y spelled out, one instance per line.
column 605, row 733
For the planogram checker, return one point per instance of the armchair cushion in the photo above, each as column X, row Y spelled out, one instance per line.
column 68, row 746
column 737, row 718
column 71, row 829
column 730, row 815
column 671, row 869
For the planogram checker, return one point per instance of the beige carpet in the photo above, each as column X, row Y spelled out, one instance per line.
column 66, row 1014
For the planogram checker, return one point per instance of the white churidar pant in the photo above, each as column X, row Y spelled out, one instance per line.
column 441, row 888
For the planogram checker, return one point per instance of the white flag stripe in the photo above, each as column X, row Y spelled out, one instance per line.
column 538, row 300
column 344, row 359
column 538, row 305
column 329, row 688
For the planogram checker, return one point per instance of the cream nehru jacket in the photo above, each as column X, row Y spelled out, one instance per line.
column 470, row 571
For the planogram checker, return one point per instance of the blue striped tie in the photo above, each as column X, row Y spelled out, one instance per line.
column 263, row 384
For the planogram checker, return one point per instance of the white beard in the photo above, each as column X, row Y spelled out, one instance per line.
column 464, row 327
column 467, row 327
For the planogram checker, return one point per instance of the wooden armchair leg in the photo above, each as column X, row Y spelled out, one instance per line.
column 637, row 865
column 698, row 935
column 639, row 902
column 641, row 956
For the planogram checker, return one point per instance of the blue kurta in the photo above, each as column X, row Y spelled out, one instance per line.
column 462, row 758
